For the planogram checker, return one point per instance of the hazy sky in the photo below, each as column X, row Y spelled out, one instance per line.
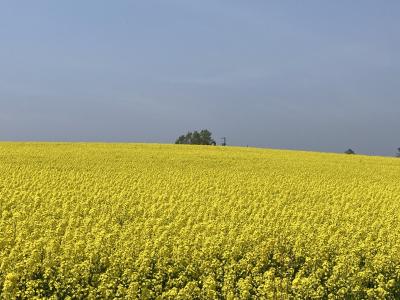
column 315, row 75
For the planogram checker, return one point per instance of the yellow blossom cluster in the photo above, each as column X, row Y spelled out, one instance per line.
column 92, row 220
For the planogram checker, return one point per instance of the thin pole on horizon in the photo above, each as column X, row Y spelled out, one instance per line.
column 224, row 141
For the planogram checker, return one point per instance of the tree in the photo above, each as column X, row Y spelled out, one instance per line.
column 181, row 140
column 204, row 137
column 398, row 152
column 349, row 151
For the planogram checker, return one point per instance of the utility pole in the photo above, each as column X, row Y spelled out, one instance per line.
column 224, row 141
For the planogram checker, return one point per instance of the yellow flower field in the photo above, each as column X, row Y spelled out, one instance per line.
column 87, row 220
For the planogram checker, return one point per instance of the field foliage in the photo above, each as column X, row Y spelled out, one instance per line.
column 84, row 220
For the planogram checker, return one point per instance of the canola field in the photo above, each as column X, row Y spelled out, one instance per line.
column 137, row 221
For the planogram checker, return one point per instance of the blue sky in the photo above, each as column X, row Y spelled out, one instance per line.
column 313, row 75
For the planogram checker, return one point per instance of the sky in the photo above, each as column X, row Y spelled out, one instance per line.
column 313, row 75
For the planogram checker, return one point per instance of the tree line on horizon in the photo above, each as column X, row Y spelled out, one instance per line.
column 204, row 137
column 351, row 151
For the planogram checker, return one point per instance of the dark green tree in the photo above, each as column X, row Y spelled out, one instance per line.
column 349, row 151
column 398, row 152
column 181, row 140
column 196, row 138
column 204, row 137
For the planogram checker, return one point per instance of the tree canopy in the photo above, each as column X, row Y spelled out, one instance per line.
column 349, row 151
column 204, row 137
